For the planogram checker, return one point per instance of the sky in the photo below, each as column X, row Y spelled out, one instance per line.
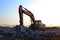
column 46, row 10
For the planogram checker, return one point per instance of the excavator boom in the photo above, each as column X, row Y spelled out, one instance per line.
column 27, row 12
column 20, row 14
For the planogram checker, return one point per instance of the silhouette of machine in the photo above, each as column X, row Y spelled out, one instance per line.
column 34, row 22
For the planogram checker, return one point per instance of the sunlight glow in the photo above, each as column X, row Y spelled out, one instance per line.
column 46, row 10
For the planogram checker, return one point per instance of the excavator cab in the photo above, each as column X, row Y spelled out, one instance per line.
column 35, row 26
column 37, row 21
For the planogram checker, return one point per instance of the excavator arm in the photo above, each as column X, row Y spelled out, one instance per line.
column 27, row 12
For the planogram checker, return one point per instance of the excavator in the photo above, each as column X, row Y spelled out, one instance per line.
column 19, row 32
column 34, row 22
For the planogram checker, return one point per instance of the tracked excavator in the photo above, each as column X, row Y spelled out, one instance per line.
column 34, row 22
column 19, row 32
